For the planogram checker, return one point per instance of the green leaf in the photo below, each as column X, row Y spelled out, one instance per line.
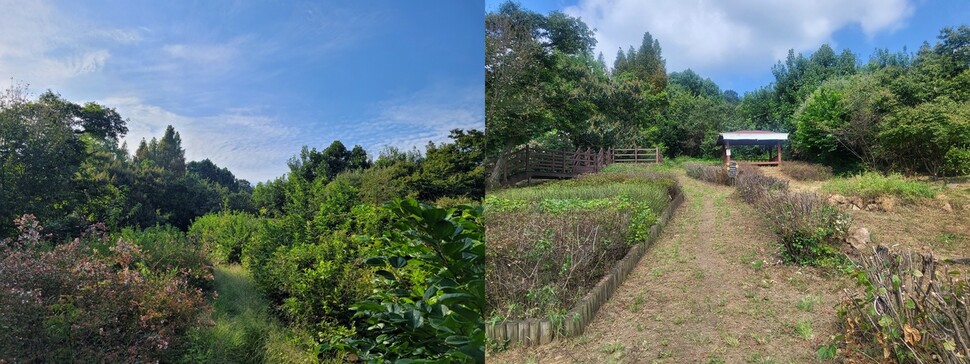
column 397, row 262
column 386, row 274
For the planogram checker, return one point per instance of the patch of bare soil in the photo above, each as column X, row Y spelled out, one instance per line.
column 711, row 289
column 926, row 227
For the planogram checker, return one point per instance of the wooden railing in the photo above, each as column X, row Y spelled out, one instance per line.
column 530, row 162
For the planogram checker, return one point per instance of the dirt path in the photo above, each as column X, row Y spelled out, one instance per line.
column 709, row 290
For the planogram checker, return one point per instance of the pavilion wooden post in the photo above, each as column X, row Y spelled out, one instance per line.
column 727, row 152
column 779, row 153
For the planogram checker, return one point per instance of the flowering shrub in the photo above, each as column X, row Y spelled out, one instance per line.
column 69, row 303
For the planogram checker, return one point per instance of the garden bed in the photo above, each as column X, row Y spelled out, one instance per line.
column 557, row 252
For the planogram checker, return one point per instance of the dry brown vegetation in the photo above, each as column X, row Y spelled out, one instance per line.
column 804, row 171
column 911, row 309
column 711, row 289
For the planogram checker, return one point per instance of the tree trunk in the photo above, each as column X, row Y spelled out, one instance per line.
column 497, row 178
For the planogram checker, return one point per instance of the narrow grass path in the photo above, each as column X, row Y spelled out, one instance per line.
column 711, row 290
column 244, row 331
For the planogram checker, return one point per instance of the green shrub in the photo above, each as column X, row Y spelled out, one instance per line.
column 224, row 234
column 956, row 162
column 809, row 228
column 315, row 284
column 440, row 319
column 708, row 173
column 871, row 186
column 803, row 171
column 909, row 309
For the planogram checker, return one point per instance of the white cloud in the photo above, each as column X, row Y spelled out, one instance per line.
column 427, row 115
column 733, row 35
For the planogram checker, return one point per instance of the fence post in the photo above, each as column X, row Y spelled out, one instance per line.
column 563, row 153
column 656, row 158
column 528, row 172
column 636, row 154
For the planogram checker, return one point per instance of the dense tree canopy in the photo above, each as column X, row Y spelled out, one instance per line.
column 896, row 112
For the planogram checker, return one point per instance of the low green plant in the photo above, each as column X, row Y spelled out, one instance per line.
column 807, row 303
column 803, row 329
column 873, row 185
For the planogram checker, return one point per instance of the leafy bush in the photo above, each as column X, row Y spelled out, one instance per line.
column 437, row 318
column 708, row 173
column 753, row 186
column 871, row 186
column 167, row 249
column 224, row 234
column 910, row 310
column 315, row 284
column 67, row 303
column 957, row 162
column 809, row 228
column 803, row 171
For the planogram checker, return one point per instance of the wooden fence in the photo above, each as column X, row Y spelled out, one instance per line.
column 530, row 162
column 544, row 330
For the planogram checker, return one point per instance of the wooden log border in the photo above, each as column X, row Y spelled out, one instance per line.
column 543, row 331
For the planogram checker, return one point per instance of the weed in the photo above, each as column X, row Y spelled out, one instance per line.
column 807, row 303
column 637, row 302
column 613, row 347
column 803, row 329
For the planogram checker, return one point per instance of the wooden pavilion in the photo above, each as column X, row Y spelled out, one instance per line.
column 753, row 137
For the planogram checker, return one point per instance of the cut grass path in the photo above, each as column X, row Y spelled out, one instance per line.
column 244, row 330
column 710, row 290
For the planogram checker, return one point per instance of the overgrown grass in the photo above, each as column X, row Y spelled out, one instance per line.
column 549, row 244
column 243, row 330
column 874, row 185
column 804, row 171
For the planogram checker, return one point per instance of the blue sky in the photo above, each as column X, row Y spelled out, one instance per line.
column 247, row 83
column 735, row 42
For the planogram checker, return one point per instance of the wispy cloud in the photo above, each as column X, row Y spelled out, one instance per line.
column 425, row 116
column 733, row 35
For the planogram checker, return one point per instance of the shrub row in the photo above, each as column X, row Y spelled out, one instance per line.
column 708, row 173
column 804, row 171
column 808, row 228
